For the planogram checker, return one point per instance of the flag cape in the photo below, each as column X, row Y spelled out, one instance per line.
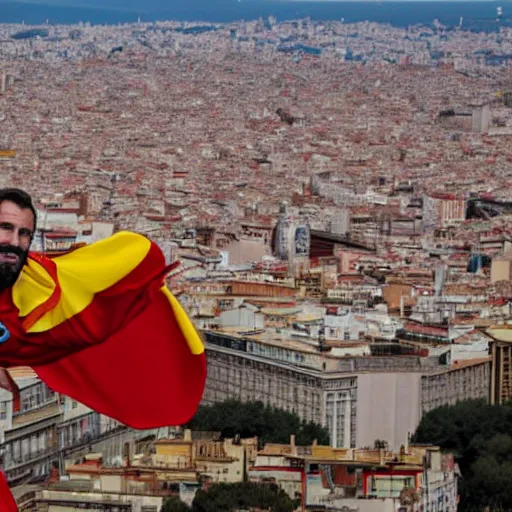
column 99, row 325
column 7, row 503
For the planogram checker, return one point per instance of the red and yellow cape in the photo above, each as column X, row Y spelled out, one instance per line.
column 99, row 325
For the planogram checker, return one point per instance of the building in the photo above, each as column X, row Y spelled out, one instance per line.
column 442, row 210
column 273, row 465
column 501, row 365
column 481, row 118
column 320, row 387
column 107, row 489
column 507, row 98
column 82, row 431
column 205, row 457
column 6, row 81
column 292, row 241
column 415, row 478
column 177, row 466
column 396, row 294
column 464, row 380
column 501, row 268
column 340, row 222
column 30, row 444
column 52, row 431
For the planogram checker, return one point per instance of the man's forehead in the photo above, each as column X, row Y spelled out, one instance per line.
column 13, row 213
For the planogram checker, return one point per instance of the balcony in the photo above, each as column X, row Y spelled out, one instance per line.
column 48, row 422
column 14, row 463
column 78, row 443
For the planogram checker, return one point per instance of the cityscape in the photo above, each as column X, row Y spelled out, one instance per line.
column 337, row 199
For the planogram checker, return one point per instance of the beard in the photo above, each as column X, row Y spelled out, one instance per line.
column 9, row 272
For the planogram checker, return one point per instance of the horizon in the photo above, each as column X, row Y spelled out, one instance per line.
column 478, row 15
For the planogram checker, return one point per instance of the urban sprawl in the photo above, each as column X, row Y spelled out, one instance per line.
column 339, row 199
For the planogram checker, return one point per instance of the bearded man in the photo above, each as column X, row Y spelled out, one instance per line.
column 97, row 324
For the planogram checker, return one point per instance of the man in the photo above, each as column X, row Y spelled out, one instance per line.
column 97, row 324
column 17, row 228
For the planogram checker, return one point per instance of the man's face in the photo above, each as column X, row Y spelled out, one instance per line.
column 16, row 232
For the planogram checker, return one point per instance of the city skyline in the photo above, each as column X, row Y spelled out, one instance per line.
column 333, row 202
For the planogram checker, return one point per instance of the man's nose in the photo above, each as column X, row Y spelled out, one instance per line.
column 15, row 238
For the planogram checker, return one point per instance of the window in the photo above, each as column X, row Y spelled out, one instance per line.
column 25, row 403
column 38, row 396
column 50, row 394
column 390, row 486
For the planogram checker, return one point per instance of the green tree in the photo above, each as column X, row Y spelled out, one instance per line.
column 173, row 504
column 479, row 436
column 491, row 474
column 224, row 497
column 308, row 432
column 249, row 419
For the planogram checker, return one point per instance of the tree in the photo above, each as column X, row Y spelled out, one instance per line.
column 173, row 504
column 249, row 419
column 491, row 474
column 229, row 497
column 380, row 444
column 479, row 436
column 308, row 432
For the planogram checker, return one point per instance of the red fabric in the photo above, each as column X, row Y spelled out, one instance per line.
column 108, row 312
column 7, row 503
column 124, row 355
column 144, row 375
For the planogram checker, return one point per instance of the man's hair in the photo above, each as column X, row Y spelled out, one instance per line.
column 20, row 198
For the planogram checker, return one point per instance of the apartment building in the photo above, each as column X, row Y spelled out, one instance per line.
column 415, row 478
column 501, row 369
column 30, row 444
column 464, row 380
column 51, row 431
column 320, row 388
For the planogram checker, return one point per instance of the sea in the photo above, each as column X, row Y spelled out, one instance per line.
column 476, row 15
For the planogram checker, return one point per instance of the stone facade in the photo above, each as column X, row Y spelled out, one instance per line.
column 246, row 378
column 311, row 395
column 358, row 399
column 470, row 380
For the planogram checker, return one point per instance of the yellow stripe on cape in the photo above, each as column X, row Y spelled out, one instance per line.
column 187, row 328
column 81, row 274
